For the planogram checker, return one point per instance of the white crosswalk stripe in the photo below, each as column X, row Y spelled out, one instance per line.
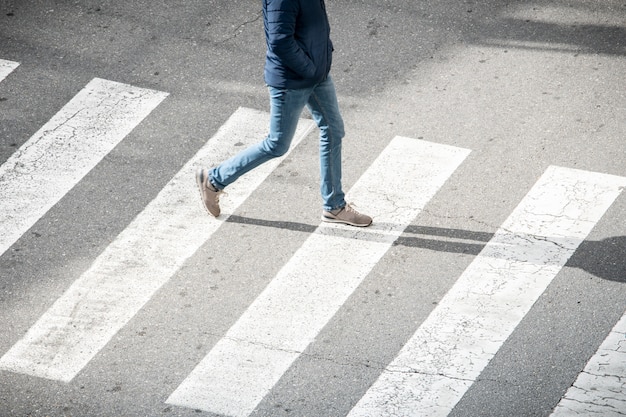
column 6, row 67
column 312, row 286
column 466, row 329
column 431, row 372
column 65, row 149
column 137, row 263
column 600, row 389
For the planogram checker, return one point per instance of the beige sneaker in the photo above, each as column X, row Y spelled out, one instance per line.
column 209, row 194
column 347, row 215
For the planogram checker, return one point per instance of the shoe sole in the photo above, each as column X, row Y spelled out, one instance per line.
column 331, row 220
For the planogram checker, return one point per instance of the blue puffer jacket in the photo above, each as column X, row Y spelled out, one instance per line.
column 299, row 49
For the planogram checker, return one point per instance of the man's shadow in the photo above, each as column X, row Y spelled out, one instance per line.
column 605, row 259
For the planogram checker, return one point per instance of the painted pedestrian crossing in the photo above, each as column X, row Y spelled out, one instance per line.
column 65, row 149
column 6, row 67
column 137, row 263
column 430, row 373
column 600, row 389
column 452, row 347
column 237, row 374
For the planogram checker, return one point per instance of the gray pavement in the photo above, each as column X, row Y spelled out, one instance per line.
column 523, row 85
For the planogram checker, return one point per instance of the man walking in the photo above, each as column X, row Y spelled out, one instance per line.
column 297, row 66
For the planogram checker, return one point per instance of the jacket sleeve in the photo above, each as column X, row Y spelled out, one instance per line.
column 282, row 16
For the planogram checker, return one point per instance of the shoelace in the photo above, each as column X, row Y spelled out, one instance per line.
column 349, row 208
column 218, row 194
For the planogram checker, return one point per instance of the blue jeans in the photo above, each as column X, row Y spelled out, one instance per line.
column 286, row 108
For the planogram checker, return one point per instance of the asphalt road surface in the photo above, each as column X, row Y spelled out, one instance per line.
column 486, row 138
